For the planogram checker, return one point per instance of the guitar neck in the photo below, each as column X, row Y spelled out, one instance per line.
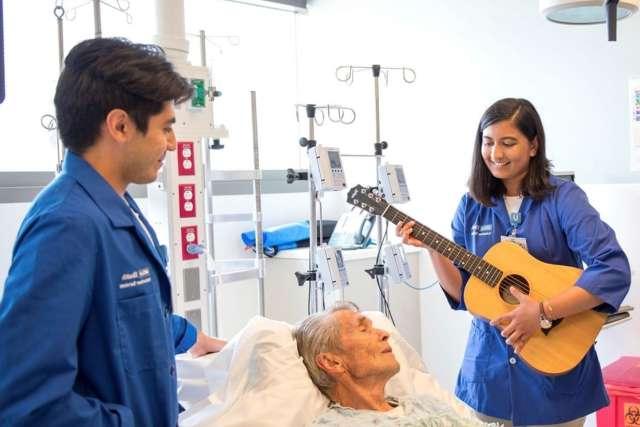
column 461, row 257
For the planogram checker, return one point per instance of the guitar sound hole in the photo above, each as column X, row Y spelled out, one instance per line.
column 518, row 282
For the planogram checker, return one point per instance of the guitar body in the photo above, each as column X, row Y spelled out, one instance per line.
column 567, row 342
column 553, row 352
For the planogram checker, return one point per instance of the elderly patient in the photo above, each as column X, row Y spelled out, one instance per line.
column 351, row 362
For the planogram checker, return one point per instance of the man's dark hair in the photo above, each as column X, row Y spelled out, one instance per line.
column 523, row 115
column 102, row 74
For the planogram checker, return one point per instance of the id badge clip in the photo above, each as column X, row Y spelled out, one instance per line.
column 515, row 219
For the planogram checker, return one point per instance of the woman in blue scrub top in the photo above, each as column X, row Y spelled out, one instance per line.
column 513, row 195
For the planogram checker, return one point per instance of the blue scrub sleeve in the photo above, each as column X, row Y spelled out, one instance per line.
column 607, row 275
column 457, row 228
column 45, row 304
column 184, row 334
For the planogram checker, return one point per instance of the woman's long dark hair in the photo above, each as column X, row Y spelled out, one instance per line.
column 482, row 184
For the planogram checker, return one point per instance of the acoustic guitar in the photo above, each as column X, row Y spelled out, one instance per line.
column 553, row 351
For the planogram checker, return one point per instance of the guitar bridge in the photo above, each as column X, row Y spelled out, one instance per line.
column 554, row 323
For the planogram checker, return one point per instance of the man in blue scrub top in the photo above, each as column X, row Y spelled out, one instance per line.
column 87, row 334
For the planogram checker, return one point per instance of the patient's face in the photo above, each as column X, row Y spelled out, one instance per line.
column 365, row 349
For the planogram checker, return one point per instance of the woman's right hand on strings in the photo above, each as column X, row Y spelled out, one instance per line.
column 404, row 230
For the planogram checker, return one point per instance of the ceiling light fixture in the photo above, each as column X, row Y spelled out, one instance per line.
column 295, row 6
column 585, row 12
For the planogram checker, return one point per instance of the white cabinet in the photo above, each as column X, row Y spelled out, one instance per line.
column 286, row 301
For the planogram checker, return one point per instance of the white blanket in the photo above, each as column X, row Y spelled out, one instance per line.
column 259, row 379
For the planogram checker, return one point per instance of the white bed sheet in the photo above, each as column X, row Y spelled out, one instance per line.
column 259, row 379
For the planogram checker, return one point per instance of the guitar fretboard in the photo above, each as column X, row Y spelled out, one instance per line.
column 461, row 257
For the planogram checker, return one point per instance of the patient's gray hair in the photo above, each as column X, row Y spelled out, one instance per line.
column 320, row 333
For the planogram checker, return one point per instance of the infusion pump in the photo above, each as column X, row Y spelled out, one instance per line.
column 326, row 170
column 395, row 263
column 394, row 183
column 331, row 269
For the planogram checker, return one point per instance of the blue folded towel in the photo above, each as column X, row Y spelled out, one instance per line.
column 280, row 237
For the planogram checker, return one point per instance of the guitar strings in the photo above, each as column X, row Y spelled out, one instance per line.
column 511, row 281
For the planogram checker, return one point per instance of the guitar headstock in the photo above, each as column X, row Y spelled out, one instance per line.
column 367, row 198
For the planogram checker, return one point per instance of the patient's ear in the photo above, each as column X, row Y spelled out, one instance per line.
column 330, row 363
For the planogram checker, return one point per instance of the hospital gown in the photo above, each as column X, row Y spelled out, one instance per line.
column 419, row 411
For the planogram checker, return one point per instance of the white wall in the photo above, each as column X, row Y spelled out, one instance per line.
column 466, row 57
column 31, row 71
column 618, row 205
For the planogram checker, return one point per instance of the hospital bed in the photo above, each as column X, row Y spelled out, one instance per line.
column 259, row 380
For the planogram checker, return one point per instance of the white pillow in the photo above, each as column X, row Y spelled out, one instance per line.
column 259, row 379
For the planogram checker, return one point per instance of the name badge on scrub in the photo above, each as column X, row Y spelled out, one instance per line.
column 520, row 241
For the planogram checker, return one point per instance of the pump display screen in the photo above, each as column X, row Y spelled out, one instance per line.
column 334, row 159
column 400, row 175
column 339, row 260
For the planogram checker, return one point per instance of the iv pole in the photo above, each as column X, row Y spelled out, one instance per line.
column 316, row 292
column 408, row 76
